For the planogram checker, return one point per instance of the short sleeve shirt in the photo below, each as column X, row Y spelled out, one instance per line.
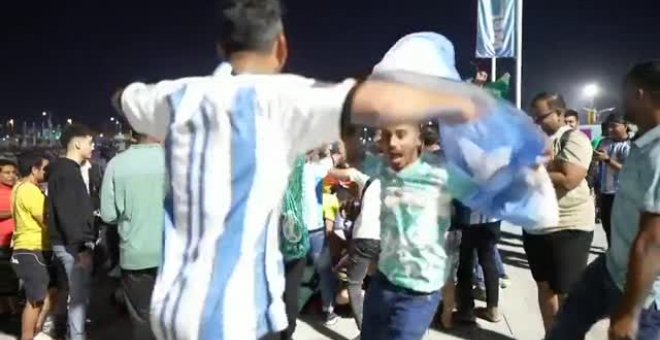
column 330, row 207
column 415, row 216
column 639, row 191
column 576, row 207
column 609, row 178
column 231, row 142
column 6, row 226
column 28, row 211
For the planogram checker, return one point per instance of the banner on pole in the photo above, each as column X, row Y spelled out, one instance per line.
column 496, row 29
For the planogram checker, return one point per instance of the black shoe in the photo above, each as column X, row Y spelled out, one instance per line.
column 465, row 316
column 479, row 294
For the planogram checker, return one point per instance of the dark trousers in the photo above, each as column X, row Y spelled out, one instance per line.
column 594, row 297
column 293, row 272
column 482, row 238
column 361, row 253
column 396, row 313
column 606, row 202
column 137, row 286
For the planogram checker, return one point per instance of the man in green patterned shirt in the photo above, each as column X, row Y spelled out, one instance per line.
column 415, row 216
column 415, row 207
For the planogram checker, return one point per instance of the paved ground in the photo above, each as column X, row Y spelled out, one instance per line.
column 522, row 319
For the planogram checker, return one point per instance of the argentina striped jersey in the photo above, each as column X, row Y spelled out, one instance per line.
column 231, row 142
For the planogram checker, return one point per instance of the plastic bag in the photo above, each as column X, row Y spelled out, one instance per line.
column 495, row 167
column 495, row 164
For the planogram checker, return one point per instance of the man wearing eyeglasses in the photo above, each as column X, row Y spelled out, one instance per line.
column 558, row 254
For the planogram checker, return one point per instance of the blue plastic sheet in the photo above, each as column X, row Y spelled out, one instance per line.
column 495, row 163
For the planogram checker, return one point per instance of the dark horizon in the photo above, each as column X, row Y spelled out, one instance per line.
column 68, row 58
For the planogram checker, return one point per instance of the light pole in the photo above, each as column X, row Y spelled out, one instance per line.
column 591, row 91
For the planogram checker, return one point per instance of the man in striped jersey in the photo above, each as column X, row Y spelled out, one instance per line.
column 231, row 141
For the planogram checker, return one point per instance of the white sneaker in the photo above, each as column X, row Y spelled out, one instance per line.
column 42, row 336
column 505, row 282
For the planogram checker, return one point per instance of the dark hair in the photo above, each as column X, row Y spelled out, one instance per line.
column 430, row 135
column 571, row 113
column 646, row 76
column 138, row 135
column 555, row 101
column 72, row 131
column 248, row 25
column 5, row 162
column 349, row 130
column 29, row 160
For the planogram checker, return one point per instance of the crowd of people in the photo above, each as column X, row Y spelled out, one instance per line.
column 237, row 181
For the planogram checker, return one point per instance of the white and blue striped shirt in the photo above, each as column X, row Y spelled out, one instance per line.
column 231, row 142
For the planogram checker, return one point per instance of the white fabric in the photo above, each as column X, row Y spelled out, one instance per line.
column 367, row 225
column 425, row 53
column 231, row 144
column 84, row 171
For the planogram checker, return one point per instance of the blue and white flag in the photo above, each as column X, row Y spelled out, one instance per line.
column 496, row 25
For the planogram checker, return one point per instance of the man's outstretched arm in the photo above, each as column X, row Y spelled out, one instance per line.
column 376, row 103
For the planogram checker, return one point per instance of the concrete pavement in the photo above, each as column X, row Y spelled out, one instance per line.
column 518, row 303
column 522, row 319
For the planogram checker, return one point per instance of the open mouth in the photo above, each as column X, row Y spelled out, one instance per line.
column 395, row 156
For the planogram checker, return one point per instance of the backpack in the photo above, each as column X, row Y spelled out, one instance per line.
column 353, row 207
column 592, row 172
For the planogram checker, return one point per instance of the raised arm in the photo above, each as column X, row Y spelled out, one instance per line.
column 377, row 103
column 148, row 108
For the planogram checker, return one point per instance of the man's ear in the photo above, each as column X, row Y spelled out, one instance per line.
column 640, row 94
column 281, row 50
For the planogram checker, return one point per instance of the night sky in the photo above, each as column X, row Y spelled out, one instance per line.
column 67, row 57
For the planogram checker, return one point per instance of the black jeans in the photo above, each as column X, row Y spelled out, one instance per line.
column 293, row 272
column 606, row 201
column 483, row 238
column 137, row 286
column 361, row 253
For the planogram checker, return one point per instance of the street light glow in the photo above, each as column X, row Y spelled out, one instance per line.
column 44, row 113
column 591, row 90
column 112, row 119
column 69, row 121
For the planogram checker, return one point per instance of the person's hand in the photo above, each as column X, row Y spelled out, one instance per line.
column 601, row 156
column 85, row 259
column 481, row 77
column 623, row 327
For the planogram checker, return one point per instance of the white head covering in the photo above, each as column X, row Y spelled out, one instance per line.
column 426, row 53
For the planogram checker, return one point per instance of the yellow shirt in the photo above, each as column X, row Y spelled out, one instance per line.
column 28, row 212
column 330, row 207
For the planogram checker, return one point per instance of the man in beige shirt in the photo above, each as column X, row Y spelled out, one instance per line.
column 558, row 254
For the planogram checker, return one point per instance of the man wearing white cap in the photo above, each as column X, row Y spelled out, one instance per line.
column 415, row 206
